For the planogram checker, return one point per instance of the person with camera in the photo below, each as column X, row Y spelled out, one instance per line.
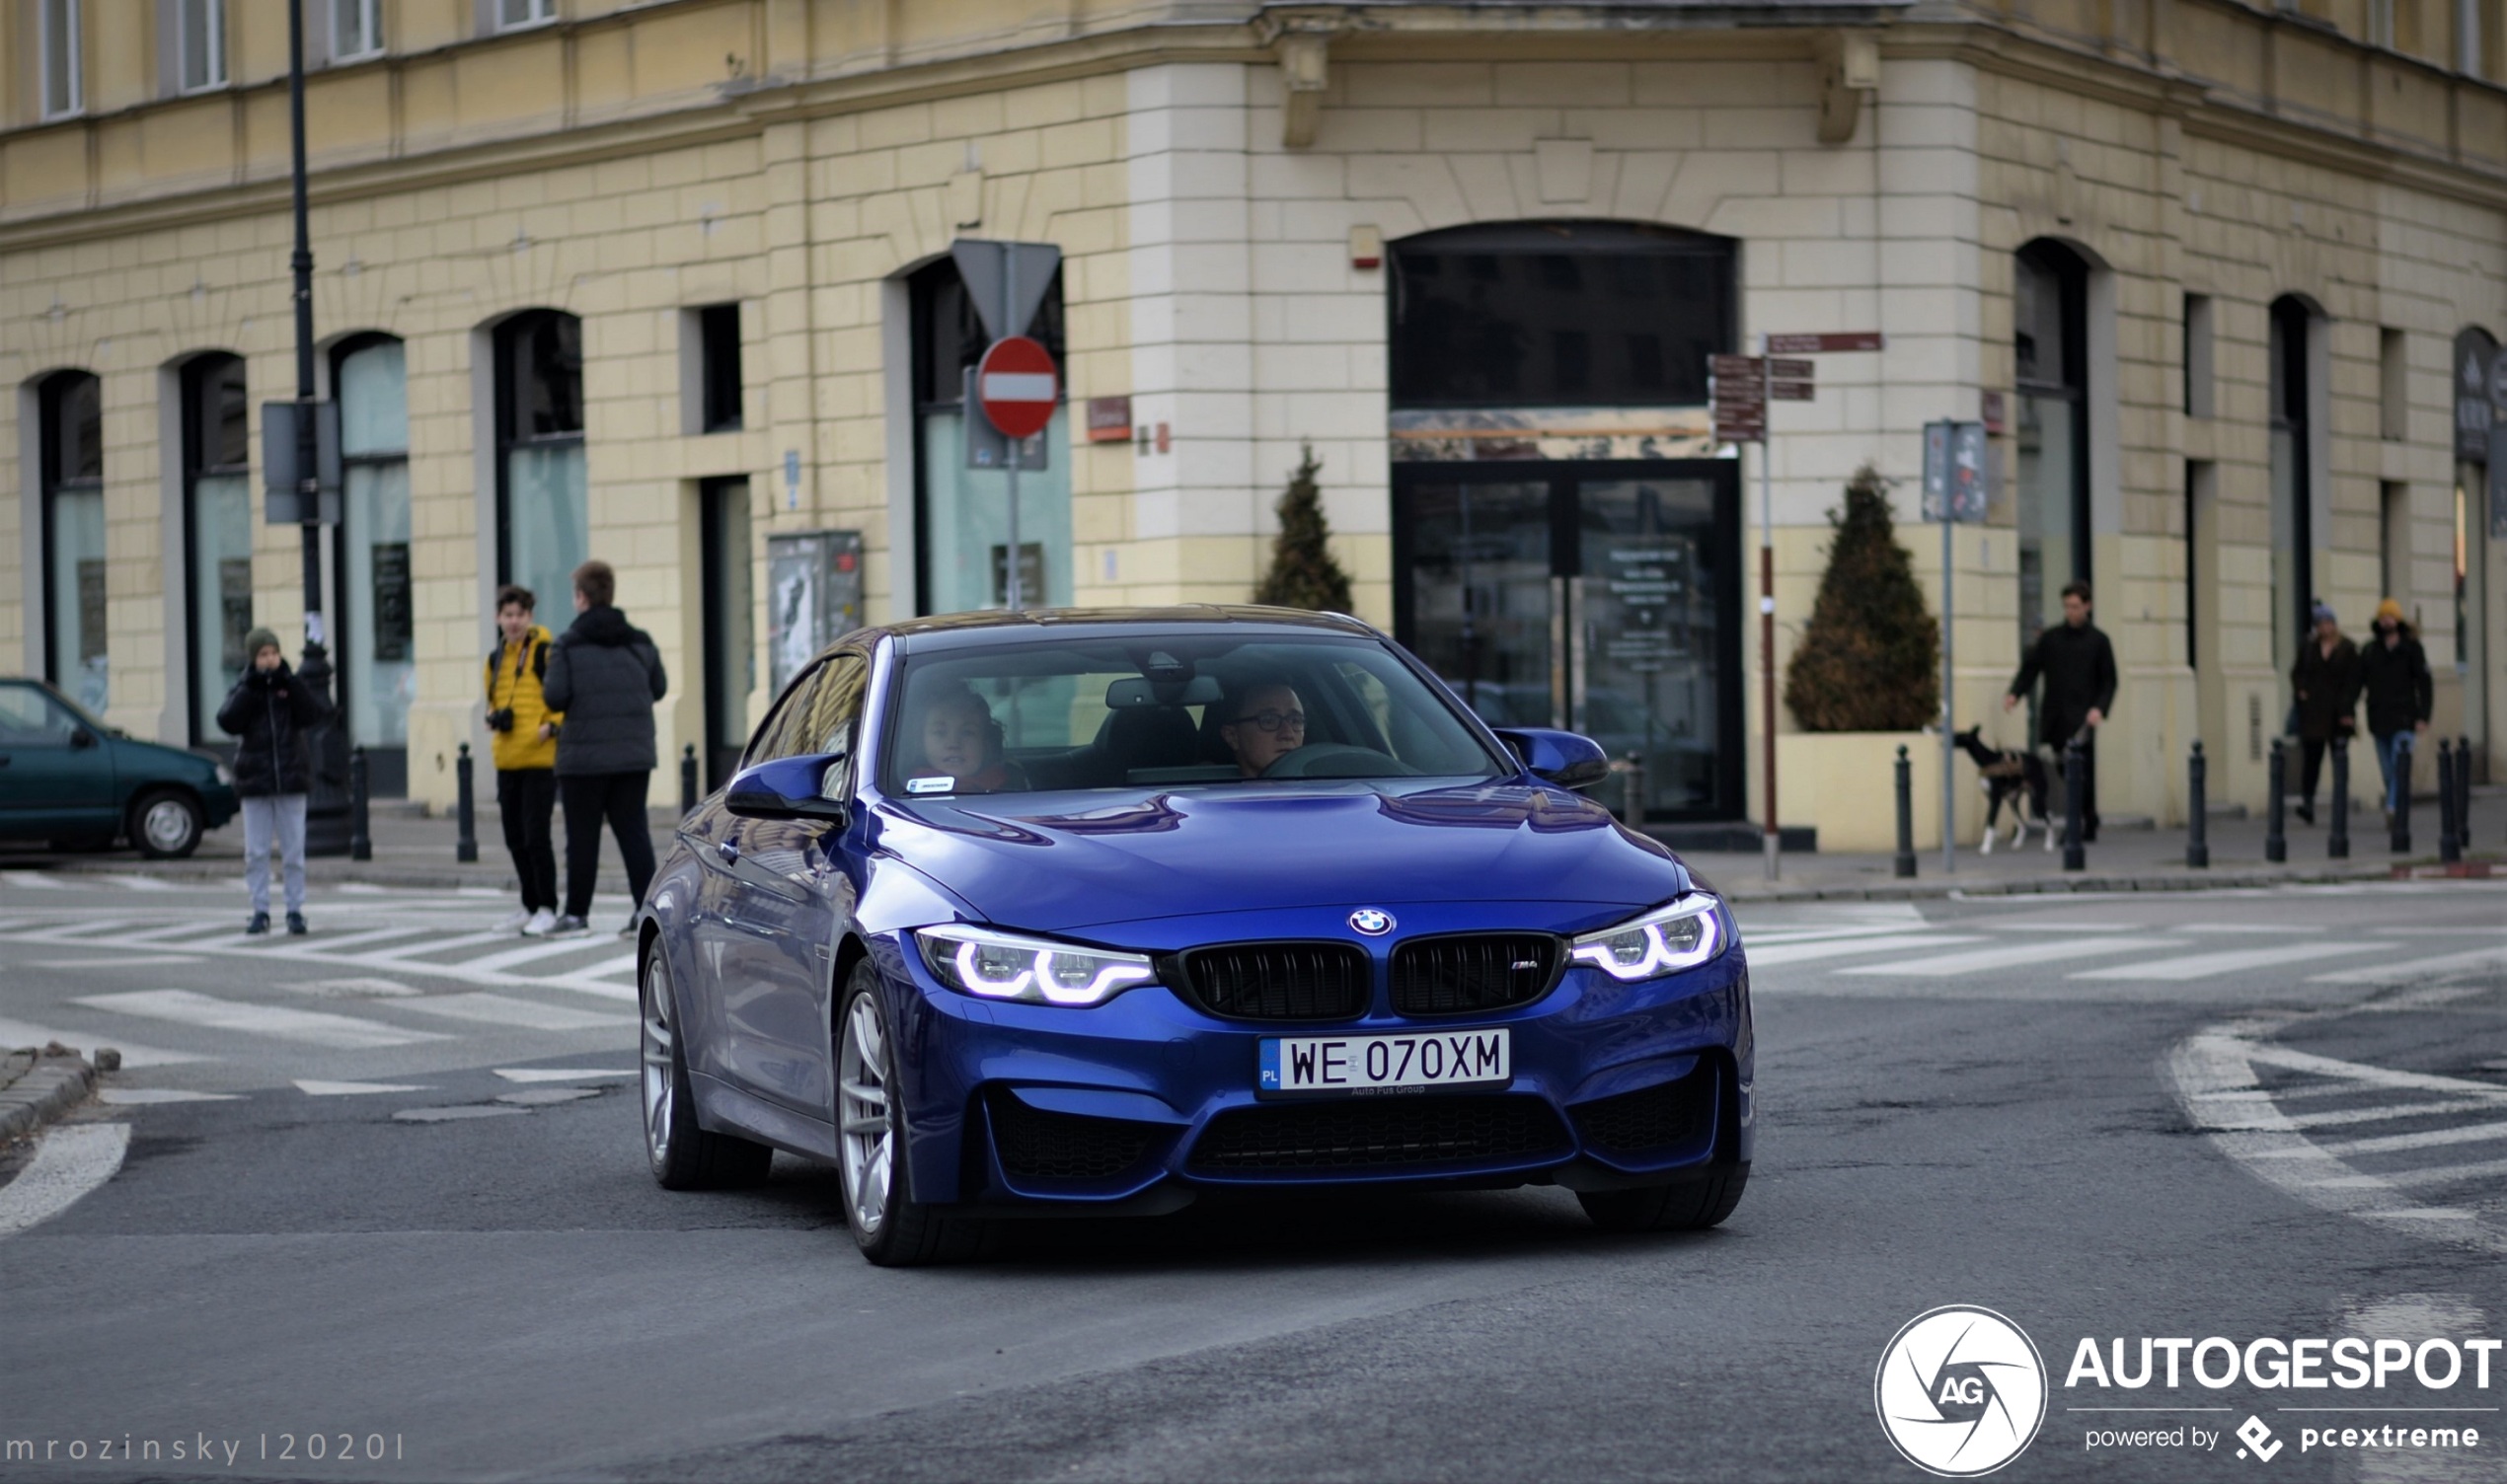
column 606, row 675
column 524, row 749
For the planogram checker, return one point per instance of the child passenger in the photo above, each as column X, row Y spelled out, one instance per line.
column 961, row 739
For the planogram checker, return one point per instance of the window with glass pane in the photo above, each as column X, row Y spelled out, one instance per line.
column 357, row 29
column 2049, row 318
column 200, row 29
column 63, row 68
column 73, row 472
column 524, row 12
column 544, row 500
column 964, row 538
column 2292, row 518
column 218, row 528
column 376, row 607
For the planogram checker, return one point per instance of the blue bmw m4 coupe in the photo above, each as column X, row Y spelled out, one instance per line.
column 1101, row 912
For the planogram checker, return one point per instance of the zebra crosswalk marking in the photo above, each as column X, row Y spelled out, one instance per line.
column 523, row 955
column 2435, row 1174
column 1979, row 960
column 284, row 1022
column 334, row 943
column 2429, row 1139
column 1794, row 953
column 503, row 1009
column 435, row 945
column 2417, row 968
column 2206, row 965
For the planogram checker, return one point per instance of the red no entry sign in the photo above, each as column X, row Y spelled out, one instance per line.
column 1015, row 386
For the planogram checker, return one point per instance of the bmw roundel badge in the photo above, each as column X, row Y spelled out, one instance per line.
column 1371, row 922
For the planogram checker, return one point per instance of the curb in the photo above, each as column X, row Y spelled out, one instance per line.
column 50, row 1088
column 1908, row 891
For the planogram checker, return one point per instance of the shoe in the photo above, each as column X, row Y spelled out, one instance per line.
column 568, row 926
column 2306, row 814
column 258, row 927
column 538, row 924
column 296, row 925
column 515, row 921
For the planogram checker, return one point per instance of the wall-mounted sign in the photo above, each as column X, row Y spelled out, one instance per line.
column 813, row 596
column 1109, row 420
column 2477, row 394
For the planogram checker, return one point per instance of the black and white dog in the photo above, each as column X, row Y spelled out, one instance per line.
column 2019, row 778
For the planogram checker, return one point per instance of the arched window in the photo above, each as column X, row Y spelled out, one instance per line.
column 2292, row 524
column 217, row 523
column 369, row 376
column 543, row 508
column 2049, row 316
column 964, row 530
column 72, row 445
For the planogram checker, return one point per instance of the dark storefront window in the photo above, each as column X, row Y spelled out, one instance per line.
column 543, row 514
column 71, row 406
column 217, row 506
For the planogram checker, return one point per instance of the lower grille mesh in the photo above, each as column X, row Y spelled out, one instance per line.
column 1378, row 1133
column 1665, row 1116
column 1035, row 1144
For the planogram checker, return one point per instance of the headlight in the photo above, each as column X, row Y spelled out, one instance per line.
column 226, row 775
column 1005, row 966
column 1681, row 936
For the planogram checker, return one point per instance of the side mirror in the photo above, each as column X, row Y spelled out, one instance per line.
column 1561, row 758
column 789, row 788
column 80, row 737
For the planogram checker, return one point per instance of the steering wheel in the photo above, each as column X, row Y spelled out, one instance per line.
column 1337, row 760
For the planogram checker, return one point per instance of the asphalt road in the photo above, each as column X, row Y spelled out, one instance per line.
column 2257, row 1114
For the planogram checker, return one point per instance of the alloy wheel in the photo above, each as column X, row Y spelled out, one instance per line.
column 166, row 825
column 658, row 1041
column 867, row 1137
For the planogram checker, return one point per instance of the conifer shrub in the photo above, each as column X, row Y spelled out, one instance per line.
column 1870, row 659
column 1303, row 573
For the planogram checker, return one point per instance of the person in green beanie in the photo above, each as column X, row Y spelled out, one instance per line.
column 268, row 712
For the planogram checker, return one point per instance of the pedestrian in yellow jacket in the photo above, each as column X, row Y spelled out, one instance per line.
column 525, row 753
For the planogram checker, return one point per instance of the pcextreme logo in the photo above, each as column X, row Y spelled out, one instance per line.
column 1960, row 1391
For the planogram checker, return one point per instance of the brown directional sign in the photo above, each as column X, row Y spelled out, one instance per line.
column 1732, row 367
column 1740, row 426
column 1791, row 370
column 1791, row 390
column 1815, row 344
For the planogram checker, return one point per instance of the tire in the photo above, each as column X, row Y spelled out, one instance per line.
column 890, row 1227
column 683, row 1155
column 1689, row 1205
column 166, row 825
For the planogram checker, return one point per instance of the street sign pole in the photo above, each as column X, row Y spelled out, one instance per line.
column 1011, row 586
column 1771, row 840
column 1950, row 630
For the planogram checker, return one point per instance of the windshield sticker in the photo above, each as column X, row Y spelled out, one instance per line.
column 941, row 785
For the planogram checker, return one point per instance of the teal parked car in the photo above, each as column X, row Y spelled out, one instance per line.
column 69, row 778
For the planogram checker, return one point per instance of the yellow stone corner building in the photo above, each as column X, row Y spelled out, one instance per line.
column 669, row 284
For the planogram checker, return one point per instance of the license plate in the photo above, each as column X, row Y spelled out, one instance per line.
column 1375, row 1064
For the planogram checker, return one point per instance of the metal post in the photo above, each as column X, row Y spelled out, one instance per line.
column 2276, row 845
column 2198, row 809
column 361, row 839
column 2449, row 840
column 2464, row 792
column 2076, row 769
column 1949, row 628
column 465, row 826
column 1772, row 840
column 688, row 780
column 1012, row 587
column 1633, row 781
column 2398, row 834
column 1906, row 814
column 327, row 829
column 2337, row 834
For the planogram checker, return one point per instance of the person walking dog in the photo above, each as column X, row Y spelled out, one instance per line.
column 606, row 675
column 268, row 712
column 2078, row 665
column 525, row 754
column 2325, row 680
column 2394, row 671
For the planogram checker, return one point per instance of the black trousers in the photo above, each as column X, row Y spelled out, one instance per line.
column 525, row 797
column 591, row 798
column 2310, row 767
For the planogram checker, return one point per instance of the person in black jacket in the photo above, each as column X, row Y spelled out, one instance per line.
column 268, row 711
column 2325, row 683
column 2078, row 665
column 2394, row 672
column 606, row 675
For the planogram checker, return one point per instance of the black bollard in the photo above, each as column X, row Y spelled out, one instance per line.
column 360, row 841
column 2449, row 840
column 2198, row 809
column 2337, row 834
column 465, row 827
column 1633, row 783
column 2276, row 842
column 2398, row 834
column 1906, row 815
column 2076, row 772
column 688, row 780
column 2464, row 792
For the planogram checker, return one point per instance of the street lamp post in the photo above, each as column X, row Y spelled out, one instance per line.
column 327, row 807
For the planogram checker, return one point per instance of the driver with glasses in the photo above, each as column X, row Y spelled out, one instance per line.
column 1266, row 722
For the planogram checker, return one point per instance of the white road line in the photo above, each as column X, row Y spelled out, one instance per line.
column 145, row 1096
column 73, row 1159
column 2424, row 1214
column 2206, row 965
column 2385, row 1113
column 2251, row 929
column 330, row 944
column 1794, row 953
column 503, row 1009
column 20, row 1033
column 1774, row 935
column 1978, row 960
column 36, row 879
column 623, row 994
column 138, row 883
column 560, row 1073
column 115, row 961
column 316, row 1088
column 2433, row 1174
column 2389, row 1144
column 624, row 963
column 2362, row 1075
column 512, row 956
column 433, row 945
column 2417, row 968
column 285, row 1022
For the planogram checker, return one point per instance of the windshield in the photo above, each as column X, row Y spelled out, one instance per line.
column 1164, row 709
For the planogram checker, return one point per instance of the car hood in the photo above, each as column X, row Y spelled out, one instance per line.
column 1056, row 862
column 160, row 760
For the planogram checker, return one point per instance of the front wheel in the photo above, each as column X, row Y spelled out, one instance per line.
column 166, row 826
column 890, row 1227
column 683, row 1155
column 1690, row 1206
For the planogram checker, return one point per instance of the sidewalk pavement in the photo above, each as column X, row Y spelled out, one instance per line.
column 414, row 851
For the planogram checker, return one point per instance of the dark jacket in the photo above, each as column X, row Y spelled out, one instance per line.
column 2079, row 667
column 2327, row 687
column 268, row 711
column 2398, row 684
column 606, row 675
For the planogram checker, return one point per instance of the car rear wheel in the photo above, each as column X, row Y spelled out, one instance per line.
column 892, row 1228
column 166, row 826
column 1690, row 1206
column 683, row 1155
